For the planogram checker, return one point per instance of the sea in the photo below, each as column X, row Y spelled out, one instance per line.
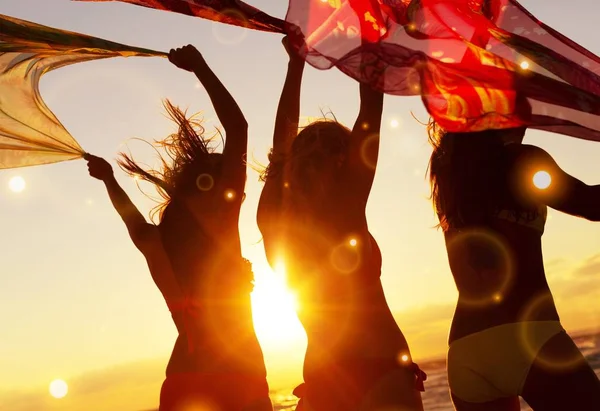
column 436, row 396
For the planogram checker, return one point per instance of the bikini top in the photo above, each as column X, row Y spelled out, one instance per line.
column 537, row 223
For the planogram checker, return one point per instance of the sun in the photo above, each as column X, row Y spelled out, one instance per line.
column 274, row 307
column 58, row 388
column 17, row 184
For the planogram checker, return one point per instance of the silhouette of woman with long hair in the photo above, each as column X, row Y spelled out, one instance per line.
column 194, row 255
column 312, row 218
column 491, row 194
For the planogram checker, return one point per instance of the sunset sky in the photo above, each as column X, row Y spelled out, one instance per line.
column 76, row 298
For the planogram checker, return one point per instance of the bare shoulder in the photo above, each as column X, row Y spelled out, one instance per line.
column 529, row 152
column 146, row 238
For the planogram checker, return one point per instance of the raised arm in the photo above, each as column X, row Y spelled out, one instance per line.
column 141, row 232
column 288, row 111
column 363, row 150
column 229, row 113
column 564, row 192
column 286, row 129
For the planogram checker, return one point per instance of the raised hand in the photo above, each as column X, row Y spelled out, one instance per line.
column 98, row 167
column 186, row 58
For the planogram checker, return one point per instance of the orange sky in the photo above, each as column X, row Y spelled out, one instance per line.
column 76, row 298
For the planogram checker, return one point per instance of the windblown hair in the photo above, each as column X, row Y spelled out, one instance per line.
column 188, row 155
column 468, row 174
column 312, row 148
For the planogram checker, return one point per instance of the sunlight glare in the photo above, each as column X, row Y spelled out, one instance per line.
column 394, row 123
column 524, row 65
column 542, row 180
column 17, row 184
column 353, row 242
column 58, row 388
column 274, row 307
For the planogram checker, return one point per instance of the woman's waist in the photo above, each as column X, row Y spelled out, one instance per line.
column 347, row 320
column 357, row 345
column 217, row 355
column 357, row 366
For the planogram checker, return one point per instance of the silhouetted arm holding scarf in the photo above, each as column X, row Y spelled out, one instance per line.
column 288, row 110
column 141, row 232
column 363, row 150
column 286, row 129
column 145, row 236
column 233, row 174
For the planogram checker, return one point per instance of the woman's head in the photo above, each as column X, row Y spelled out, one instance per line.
column 190, row 166
column 316, row 154
column 468, row 173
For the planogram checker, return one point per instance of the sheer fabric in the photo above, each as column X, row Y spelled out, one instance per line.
column 477, row 64
column 30, row 134
column 233, row 12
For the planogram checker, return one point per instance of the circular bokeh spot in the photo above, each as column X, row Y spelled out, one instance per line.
column 205, row 182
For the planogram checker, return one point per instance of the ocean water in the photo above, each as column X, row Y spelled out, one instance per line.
column 436, row 397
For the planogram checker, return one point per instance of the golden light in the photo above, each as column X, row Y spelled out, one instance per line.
column 394, row 123
column 524, row 65
column 229, row 194
column 542, row 180
column 353, row 242
column 58, row 388
column 404, row 358
column 274, row 307
column 17, row 184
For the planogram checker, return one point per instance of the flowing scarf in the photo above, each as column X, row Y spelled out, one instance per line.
column 234, row 12
column 477, row 64
column 30, row 134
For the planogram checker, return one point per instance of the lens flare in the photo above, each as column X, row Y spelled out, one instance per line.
column 205, row 182
column 542, row 180
column 58, row 388
column 17, row 184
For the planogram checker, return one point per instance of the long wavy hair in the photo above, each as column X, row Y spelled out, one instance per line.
column 469, row 177
column 188, row 154
column 315, row 145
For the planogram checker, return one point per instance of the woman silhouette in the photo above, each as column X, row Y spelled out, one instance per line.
column 312, row 218
column 490, row 192
column 194, row 256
